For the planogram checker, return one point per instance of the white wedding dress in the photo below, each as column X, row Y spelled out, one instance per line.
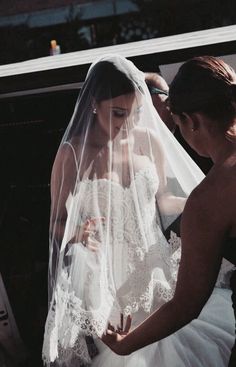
column 143, row 278
column 205, row 342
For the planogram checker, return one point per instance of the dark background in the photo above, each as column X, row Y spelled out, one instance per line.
column 152, row 18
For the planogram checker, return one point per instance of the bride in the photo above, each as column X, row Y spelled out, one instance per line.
column 119, row 185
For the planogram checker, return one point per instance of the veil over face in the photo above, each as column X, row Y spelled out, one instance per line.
column 119, row 182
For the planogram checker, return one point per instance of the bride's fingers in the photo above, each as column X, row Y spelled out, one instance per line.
column 92, row 248
column 94, row 220
column 93, row 243
column 91, row 222
column 85, row 236
column 87, row 233
column 128, row 324
column 86, row 225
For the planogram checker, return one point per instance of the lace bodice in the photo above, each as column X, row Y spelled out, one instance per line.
column 131, row 236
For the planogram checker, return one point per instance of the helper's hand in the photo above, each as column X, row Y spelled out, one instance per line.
column 114, row 338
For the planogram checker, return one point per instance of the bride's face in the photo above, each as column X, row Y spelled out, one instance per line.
column 121, row 113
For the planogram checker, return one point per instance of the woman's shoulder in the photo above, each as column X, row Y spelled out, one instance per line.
column 69, row 148
column 210, row 185
column 66, row 155
column 222, row 176
column 216, row 192
column 71, row 145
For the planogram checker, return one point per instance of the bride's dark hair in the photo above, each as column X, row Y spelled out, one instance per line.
column 104, row 81
column 205, row 84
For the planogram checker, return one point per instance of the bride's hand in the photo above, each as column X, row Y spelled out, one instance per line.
column 115, row 338
column 86, row 233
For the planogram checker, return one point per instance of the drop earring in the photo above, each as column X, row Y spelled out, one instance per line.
column 94, row 111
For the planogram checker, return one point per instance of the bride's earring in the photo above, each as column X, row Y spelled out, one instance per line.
column 94, row 111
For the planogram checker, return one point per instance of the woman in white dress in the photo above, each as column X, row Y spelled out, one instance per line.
column 119, row 185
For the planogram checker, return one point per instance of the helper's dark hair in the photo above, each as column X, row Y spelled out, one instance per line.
column 205, row 84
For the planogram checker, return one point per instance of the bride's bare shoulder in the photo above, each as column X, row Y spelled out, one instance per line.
column 67, row 154
column 69, row 147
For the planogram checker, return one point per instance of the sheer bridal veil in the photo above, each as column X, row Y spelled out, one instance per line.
column 119, row 184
